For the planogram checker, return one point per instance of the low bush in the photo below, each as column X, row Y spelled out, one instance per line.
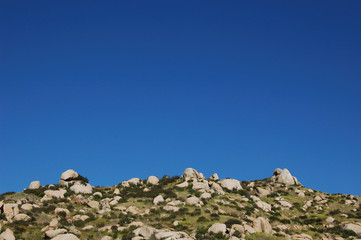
column 202, row 219
column 232, row 221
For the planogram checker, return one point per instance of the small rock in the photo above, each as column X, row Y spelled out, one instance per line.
column 214, row 176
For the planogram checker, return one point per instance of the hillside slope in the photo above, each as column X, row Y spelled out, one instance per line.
column 186, row 207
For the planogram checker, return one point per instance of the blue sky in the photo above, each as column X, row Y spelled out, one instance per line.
column 121, row 89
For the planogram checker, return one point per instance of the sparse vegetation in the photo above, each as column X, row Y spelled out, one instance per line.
column 118, row 214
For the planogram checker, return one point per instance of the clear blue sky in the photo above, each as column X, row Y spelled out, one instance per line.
column 121, row 89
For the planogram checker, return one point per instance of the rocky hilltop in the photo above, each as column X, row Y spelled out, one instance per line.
column 186, row 207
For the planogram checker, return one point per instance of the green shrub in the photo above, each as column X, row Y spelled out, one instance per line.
column 202, row 219
column 37, row 192
column 79, row 223
column 232, row 221
column 81, row 178
column 215, row 216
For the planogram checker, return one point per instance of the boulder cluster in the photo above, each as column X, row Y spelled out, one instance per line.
column 187, row 207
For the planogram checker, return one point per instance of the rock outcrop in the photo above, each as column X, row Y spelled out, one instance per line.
column 284, row 176
column 190, row 207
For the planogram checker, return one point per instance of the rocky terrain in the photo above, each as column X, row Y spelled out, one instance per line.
column 186, row 207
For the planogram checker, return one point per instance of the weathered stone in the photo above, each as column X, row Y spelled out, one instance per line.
column 22, row 217
column 56, row 232
column 27, row 207
column 182, row 185
column 34, row 185
column 285, row 204
column 353, row 226
column 201, row 186
column 153, row 180
column 106, row 238
column 284, row 176
column 158, row 199
column 249, row 229
column 167, row 235
column 217, row 188
column 218, row 228
column 262, row 192
column 190, row 173
column 133, row 210
column 302, row 236
column 93, row 204
column 83, row 188
column 69, row 175
column 193, row 201
column 264, row 206
column 330, row 220
column 262, row 225
column 7, row 235
column 134, row 181
column 144, row 231
column 205, row 195
column 59, row 210
column 231, row 184
column 68, row 236
column 214, row 176
column 10, row 210
column 55, row 193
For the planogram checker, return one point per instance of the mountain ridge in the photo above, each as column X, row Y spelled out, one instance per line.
column 180, row 207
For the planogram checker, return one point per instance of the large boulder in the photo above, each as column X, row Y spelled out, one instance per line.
column 231, row 184
column 69, row 175
column 7, row 235
column 10, row 210
column 264, row 206
column 134, row 181
column 34, row 185
column 80, row 187
column 106, row 238
column 217, row 188
column 353, row 226
column 27, row 207
column 191, row 173
column 59, row 210
column 67, row 236
column 167, row 235
column 284, row 176
column 146, row 232
column 182, row 185
column 93, row 204
column 262, row 192
column 158, row 199
column 201, row 186
column 56, row 232
column 302, row 236
column 22, row 217
column 194, row 201
column 153, row 180
column 262, row 225
column 55, row 193
column 218, row 228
